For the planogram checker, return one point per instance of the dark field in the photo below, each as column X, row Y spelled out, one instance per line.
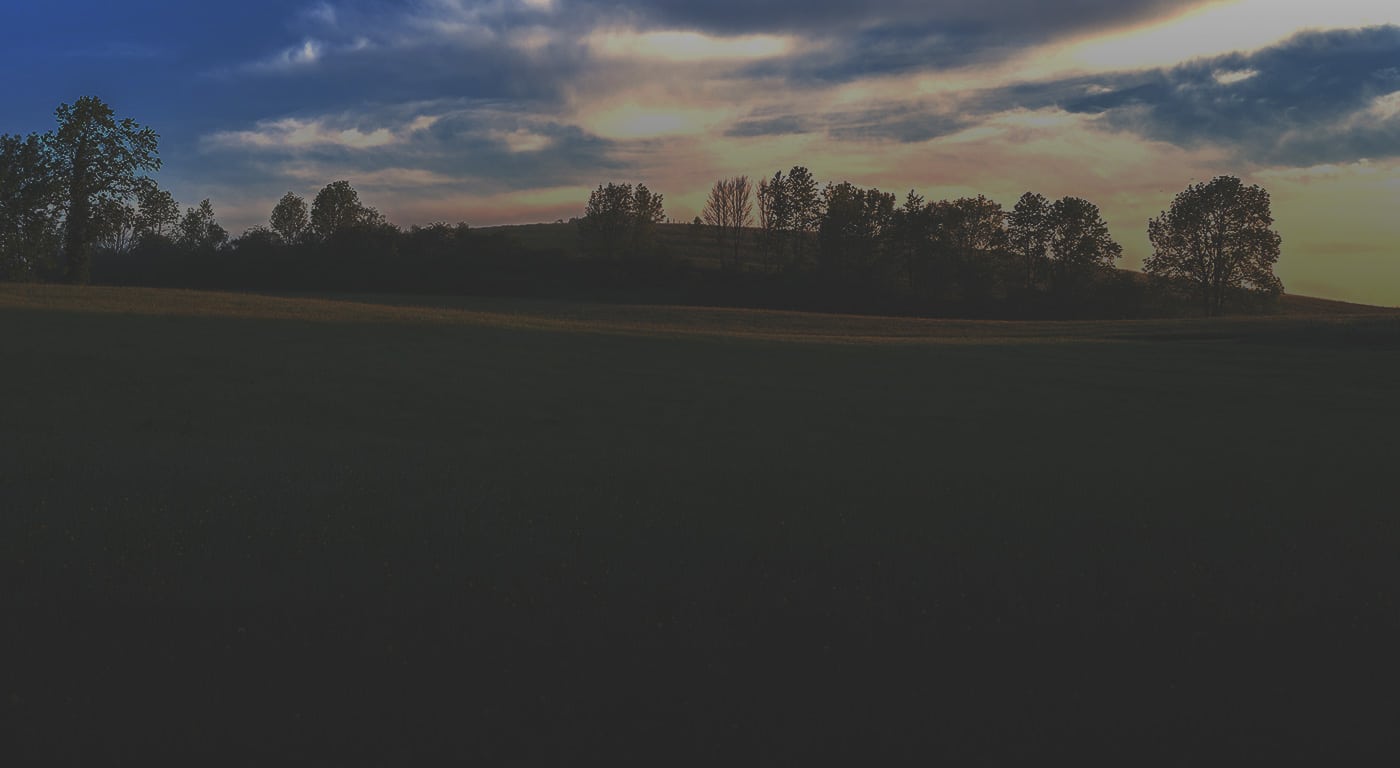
column 260, row 531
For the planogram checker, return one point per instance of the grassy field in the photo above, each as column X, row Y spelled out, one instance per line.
column 248, row 529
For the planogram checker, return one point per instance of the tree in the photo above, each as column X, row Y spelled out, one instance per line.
column 971, row 225
column 337, row 207
column 1218, row 238
column 620, row 220
column 1079, row 243
column 853, row 228
column 912, row 232
column 774, row 216
column 807, row 209
column 116, row 225
column 647, row 212
column 199, row 231
column 1028, row 234
column 30, row 195
column 606, row 226
column 98, row 158
column 290, row 218
column 157, row 213
column 729, row 210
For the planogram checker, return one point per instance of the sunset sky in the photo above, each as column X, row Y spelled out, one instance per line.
column 510, row 111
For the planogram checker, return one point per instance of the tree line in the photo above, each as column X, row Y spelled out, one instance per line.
column 78, row 204
column 1213, row 251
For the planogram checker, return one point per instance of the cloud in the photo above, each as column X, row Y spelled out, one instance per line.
column 672, row 45
column 1318, row 97
column 290, row 134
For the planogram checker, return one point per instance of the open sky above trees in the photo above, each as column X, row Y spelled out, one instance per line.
column 510, row 111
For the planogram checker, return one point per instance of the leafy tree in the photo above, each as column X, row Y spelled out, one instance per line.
column 853, row 227
column 1218, row 238
column 157, row 213
column 116, row 225
column 774, row 216
column 30, row 194
column 912, row 232
column 647, row 211
column 729, row 210
column 971, row 225
column 1079, row 243
column 606, row 226
column 98, row 157
column 337, row 207
column 199, row 231
column 619, row 220
column 1028, row 234
column 290, row 218
column 807, row 209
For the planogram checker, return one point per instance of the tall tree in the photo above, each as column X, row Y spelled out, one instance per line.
column 774, row 216
column 807, row 209
column 337, row 207
column 854, row 225
column 971, row 225
column 99, row 158
column 647, row 211
column 620, row 221
column 290, row 219
column 30, row 195
column 912, row 233
column 199, row 231
column 1028, row 234
column 1217, row 237
column 1079, row 242
column 606, row 226
column 729, row 210
column 157, row 213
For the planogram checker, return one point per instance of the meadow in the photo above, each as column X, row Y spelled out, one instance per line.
column 330, row 530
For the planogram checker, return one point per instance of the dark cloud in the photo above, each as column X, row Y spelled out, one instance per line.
column 904, row 123
column 838, row 17
column 1302, row 102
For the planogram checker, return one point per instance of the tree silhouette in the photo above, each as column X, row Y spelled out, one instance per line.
column 337, row 207
column 774, row 216
column 1217, row 237
column 855, row 223
column 729, row 210
column 913, row 234
column 647, row 212
column 290, row 219
column 98, row 158
column 199, row 231
column 619, row 220
column 1028, row 234
column 157, row 213
column 1079, row 244
column 30, row 195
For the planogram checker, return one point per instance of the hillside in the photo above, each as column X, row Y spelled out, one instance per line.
column 684, row 241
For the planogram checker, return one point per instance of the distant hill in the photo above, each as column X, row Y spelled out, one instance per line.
column 683, row 241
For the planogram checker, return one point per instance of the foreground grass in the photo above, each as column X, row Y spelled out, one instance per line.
column 241, row 527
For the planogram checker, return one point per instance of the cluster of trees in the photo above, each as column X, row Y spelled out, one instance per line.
column 967, row 254
column 83, row 191
column 1215, row 246
column 620, row 221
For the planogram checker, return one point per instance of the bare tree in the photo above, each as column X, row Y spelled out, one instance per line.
column 729, row 210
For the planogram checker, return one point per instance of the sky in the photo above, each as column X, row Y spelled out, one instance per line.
column 511, row 111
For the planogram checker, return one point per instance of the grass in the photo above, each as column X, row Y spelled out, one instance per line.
column 362, row 529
